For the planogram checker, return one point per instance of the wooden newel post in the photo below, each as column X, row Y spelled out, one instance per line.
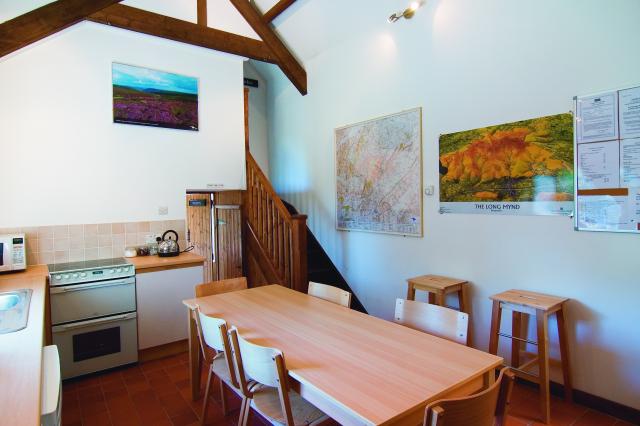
column 299, row 278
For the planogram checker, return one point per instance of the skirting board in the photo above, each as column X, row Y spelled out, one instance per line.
column 163, row 351
column 623, row 412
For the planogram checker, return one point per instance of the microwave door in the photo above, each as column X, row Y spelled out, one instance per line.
column 1, row 255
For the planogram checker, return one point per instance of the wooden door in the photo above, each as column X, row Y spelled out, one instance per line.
column 199, row 231
column 228, row 234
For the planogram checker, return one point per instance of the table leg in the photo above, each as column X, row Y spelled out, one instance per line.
column 195, row 359
column 564, row 354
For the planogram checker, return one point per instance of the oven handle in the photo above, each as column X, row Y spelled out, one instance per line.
column 91, row 286
column 99, row 321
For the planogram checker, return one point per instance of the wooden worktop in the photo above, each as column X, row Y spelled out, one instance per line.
column 155, row 263
column 21, row 352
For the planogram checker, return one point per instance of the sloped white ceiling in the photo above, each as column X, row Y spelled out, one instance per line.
column 308, row 26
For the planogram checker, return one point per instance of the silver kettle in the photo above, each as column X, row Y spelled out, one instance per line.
column 167, row 246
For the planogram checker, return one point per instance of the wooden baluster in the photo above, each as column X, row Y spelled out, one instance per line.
column 299, row 278
column 287, row 253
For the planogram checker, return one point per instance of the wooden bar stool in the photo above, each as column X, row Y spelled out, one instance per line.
column 438, row 287
column 541, row 306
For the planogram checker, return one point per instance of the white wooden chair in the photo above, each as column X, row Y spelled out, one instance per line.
column 433, row 319
column 330, row 293
column 270, row 396
column 487, row 408
column 214, row 333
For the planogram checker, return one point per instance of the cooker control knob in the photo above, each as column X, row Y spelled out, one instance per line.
column 111, row 271
column 83, row 274
column 75, row 275
column 119, row 270
column 65, row 276
column 58, row 277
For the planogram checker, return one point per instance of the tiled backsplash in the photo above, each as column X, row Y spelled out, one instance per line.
column 71, row 243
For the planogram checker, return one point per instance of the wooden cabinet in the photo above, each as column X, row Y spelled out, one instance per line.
column 214, row 228
column 159, row 296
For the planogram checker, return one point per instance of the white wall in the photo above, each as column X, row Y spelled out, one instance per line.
column 471, row 64
column 63, row 160
column 258, row 122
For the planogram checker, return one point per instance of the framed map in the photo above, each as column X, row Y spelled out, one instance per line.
column 379, row 175
column 520, row 168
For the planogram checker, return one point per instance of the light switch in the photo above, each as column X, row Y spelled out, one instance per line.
column 429, row 190
column 163, row 210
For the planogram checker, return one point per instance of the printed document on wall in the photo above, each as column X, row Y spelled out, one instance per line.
column 597, row 118
column 598, row 165
column 630, row 162
column 630, row 113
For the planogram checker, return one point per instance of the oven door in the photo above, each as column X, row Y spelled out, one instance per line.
column 97, row 344
column 92, row 300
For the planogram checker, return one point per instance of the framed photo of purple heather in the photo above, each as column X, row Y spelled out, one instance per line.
column 150, row 97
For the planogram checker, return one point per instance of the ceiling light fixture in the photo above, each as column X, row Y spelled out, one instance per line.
column 407, row 13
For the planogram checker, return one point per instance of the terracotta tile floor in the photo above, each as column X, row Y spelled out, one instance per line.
column 157, row 393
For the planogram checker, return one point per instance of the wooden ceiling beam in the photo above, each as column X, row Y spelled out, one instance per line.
column 39, row 23
column 142, row 21
column 285, row 60
column 202, row 12
column 276, row 10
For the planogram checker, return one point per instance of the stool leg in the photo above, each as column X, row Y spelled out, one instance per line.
column 431, row 297
column 440, row 296
column 564, row 354
column 463, row 302
column 543, row 363
column 516, row 327
column 496, row 314
column 411, row 292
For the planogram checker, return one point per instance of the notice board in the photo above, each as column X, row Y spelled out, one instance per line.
column 607, row 161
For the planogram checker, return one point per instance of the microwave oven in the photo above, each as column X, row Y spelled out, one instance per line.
column 13, row 253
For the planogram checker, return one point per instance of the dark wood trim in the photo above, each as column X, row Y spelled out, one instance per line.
column 259, row 254
column 142, row 21
column 276, row 10
column 612, row 408
column 202, row 12
column 39, row 23
column 285, row 60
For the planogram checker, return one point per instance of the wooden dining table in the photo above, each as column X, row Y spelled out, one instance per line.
column 358, row 369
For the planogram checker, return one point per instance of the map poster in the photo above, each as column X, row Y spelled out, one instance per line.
column 519, row 168
column 379, row 175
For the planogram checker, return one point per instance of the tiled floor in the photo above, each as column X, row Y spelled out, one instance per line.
column 157, row 393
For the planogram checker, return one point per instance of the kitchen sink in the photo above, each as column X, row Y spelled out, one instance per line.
column 14, row 310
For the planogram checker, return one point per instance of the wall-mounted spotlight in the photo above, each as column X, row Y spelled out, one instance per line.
column 407, row 13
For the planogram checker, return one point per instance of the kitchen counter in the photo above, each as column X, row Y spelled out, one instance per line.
column 155, row 263
column 21, row 351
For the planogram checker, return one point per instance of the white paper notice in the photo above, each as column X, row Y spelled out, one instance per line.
column 604, row 213
column 597, row 118
column 598, row 165
column 630, row 113
column 630, row 162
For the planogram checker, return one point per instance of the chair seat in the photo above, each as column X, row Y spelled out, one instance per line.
column 220, row 369
column 267, row 402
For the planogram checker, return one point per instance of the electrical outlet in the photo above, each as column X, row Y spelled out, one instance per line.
column 163, row 210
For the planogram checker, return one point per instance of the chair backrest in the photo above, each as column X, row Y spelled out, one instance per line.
column 482, row 409
column 433, row 319
column 221, row 286
column 330, row 293
column 264, row 365
column 214, row 333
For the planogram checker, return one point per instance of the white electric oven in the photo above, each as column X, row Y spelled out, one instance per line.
column 93, row 315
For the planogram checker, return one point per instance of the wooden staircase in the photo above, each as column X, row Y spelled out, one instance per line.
column 278, row 245
column 275, row 241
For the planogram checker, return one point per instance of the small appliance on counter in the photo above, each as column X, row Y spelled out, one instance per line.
column 13, row 252
column 167, row 246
